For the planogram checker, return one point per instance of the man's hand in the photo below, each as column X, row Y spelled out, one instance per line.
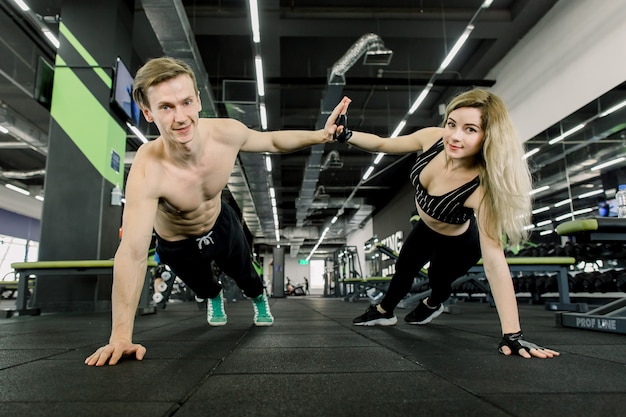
column 330, row 128
column 114, row 351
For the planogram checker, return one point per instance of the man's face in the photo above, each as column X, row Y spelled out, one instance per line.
column 174, row 107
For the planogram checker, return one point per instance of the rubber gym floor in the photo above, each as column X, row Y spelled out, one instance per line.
column 312, row 362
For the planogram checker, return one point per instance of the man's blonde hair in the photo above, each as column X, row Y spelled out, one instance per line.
column 155, row 71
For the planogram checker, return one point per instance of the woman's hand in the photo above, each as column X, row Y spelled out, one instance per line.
column 514, row 344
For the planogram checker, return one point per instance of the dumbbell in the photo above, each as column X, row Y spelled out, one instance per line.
column 166, row 275
column 157, row 297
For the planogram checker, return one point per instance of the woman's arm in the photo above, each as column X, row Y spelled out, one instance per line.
column 501, row 284
column 416, row 141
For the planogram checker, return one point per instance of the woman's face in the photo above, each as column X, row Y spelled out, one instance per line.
column 463, row 135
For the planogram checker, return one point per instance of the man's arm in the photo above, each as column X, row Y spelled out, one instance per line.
column 293, row 140
column 129, row 267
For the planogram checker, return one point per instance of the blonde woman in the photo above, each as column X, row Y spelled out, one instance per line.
column 472, row 187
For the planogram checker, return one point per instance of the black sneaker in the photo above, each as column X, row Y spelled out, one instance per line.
column 373, row 317
column 423, row 314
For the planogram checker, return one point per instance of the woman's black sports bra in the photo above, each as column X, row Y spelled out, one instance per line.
column 447, row 208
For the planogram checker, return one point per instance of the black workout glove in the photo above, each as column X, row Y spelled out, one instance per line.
column 346, row 133
column 515, row 342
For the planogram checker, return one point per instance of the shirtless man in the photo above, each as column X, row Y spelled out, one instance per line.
column 174, row 188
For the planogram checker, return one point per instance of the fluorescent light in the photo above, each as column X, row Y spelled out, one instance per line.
column 541, row 210
column 334, row 220
column 581, row 211
column 268, row 164
column 530, row 153
column 455, row 49
column 563, row 217
column 277, row 235
column 538, row 190
column 607, row 164
column 378, row 158
column 588, row 162
column 272, row 192
column 263, row 112
column 4, row 130
column 486, row 4
column 546, row 232
column 38, row 197
column 420, row 98
column 17, row 189
column 566, row 134
column 22, row 5
column 53, row 40
column 529, row 227
column 613, row 109
column 398, row 129
column 585, row 210
column 254, row 21
column 591, row 193
column 544, row 223
column 260, row 86
column 368, row 173
column 137, row 133
column 273, row 201
column 563, row 202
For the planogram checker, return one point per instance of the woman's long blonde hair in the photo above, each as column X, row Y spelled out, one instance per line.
column 503, row 171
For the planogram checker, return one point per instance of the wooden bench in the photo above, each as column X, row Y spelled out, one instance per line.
column 27, row 272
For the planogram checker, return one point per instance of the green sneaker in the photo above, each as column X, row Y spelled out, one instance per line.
column 215, row 314
column 262, row 314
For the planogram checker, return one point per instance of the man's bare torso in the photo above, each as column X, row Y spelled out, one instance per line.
column 190, row 192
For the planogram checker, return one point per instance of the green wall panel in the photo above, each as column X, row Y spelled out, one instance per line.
column 96, row 133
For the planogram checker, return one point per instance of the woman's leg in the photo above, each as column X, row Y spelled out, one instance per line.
column 453, row 257
column 416, row 251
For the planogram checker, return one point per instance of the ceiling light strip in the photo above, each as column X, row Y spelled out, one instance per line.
column 566, row 134
column 608, row 163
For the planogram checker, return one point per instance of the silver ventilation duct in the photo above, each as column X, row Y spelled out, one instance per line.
column 375, row 54
column 23, row 130
column 22, row 175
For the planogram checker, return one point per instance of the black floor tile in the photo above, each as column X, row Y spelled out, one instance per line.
column 312, row 362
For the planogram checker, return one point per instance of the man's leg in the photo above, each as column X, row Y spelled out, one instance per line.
column 235, row 260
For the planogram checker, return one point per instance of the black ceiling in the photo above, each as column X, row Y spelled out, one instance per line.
column 300, row 42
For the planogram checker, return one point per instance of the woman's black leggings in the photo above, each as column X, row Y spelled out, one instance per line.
column 450, row 258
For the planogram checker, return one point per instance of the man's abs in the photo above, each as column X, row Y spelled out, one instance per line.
column 173, row 224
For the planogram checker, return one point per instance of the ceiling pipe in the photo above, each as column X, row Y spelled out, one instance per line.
column 375, row 54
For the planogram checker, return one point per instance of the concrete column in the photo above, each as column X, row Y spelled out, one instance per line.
column 87, row 140
column 278, row 273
